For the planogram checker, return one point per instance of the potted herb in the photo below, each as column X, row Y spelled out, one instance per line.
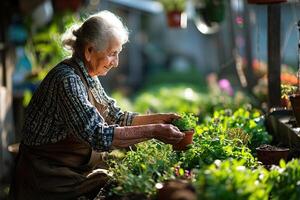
column 176, row 16
column 212, row 10
column 271, row 155
column 286, row 91
column 186, row 124
column 285, row 180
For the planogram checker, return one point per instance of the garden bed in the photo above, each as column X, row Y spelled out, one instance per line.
column 221, row 163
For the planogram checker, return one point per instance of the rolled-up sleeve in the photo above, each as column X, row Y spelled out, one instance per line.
column 81, row 117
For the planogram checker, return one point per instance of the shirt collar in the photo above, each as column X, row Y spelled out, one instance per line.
column 93, row 82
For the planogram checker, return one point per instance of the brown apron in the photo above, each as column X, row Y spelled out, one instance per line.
column 63, row 170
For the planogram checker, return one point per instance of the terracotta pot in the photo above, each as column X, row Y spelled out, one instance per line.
column 295, row 102
column 266, row 1
column 177, row 19
column 285, row 102
column 188, row 139
column 271, row 155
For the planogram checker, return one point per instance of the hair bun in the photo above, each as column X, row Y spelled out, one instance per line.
column 76, row 32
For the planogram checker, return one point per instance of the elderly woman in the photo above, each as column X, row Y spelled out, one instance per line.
column 71, row 120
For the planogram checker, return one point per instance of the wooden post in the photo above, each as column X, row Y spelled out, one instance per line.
column 251, row 79
column 274, row 60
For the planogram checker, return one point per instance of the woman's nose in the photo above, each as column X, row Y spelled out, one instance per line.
column 115, row 62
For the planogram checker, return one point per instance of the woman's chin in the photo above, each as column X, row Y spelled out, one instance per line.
column 102, row 73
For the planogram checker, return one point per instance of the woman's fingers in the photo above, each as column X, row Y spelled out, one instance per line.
column 170, row 134
column 168, row 117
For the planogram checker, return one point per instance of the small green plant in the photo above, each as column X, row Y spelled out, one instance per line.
column 212, row 143
column 141, row 169
column 248, row 119
column 231, row 180
column 188, row 121
column 287, row 90
column 173, row 5
column 238, row 136
column 285, row 180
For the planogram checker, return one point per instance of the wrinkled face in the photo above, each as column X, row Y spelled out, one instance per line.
column 100, row 62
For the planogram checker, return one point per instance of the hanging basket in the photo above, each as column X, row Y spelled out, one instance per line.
column 213, row 11
column 265, row 1
column 177, row 19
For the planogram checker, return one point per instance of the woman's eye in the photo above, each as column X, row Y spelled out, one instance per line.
column 114, row 53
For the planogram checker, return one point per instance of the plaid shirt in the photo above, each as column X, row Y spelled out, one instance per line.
column 60, row 106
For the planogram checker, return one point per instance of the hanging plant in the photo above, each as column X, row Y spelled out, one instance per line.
column 211, row 10
column 176, row 17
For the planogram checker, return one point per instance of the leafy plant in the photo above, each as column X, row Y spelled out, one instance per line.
column 212, row 143
column 173, row 5
column 141, row 169
column 287, row 90
column 44, row 45
column 188, row 121
column 231, row 180
column 239, row 136
column 249, row 120
column 285, row 180
column 181, row 99
column 213, row 10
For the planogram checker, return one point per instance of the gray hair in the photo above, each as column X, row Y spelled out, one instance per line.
column 98, row 29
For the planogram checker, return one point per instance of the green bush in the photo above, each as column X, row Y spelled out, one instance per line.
column 231, row 180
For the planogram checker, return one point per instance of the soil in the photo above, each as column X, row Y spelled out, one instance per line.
column 268, row 147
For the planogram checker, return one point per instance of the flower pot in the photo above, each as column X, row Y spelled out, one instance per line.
column 271, row 155
column 188, row 139
column 285, row 102
column 295, row 102
column 177, row 19
column 266, row 1
column 175, row 189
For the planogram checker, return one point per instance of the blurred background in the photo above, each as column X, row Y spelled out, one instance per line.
column 182, row 56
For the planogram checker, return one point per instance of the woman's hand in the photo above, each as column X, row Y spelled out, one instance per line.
column 166, row 118
column 129, row 135
column 168, row 133
column 161, row 118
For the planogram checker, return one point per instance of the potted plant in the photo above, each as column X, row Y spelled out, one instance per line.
column 176, row 17
column 285, row 180
column 186, row 124
column 286, row 91
column 271, row 155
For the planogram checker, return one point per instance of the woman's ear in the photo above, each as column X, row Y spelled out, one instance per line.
column 88, row 49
